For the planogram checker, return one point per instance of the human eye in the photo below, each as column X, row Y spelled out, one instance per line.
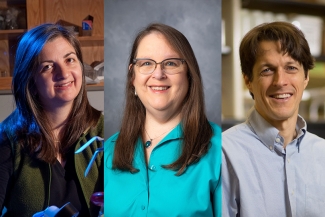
column 171, row 63
column 292, row 69
column 144, row 63
column 70, row 60
column 46, row 67
column 267, row 72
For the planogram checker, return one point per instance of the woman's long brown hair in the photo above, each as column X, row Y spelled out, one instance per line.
column 31, row 127
column 196, row 128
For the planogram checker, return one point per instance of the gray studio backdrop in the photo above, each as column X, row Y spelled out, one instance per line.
column 198, row 20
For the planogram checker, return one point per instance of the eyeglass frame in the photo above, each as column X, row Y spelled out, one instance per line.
column 136, row 59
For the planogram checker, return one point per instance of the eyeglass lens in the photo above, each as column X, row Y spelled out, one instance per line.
column 147, row 66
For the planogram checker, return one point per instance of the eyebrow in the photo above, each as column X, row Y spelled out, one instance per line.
column 265, row 63
column 68, row 54
column 65, row 56
column 293, row 62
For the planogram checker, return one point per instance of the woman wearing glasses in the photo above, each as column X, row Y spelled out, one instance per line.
column 165, row 161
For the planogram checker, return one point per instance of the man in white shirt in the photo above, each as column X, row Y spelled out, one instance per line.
column 272, row 166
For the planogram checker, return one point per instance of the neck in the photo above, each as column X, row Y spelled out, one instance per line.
column 163, row 117
column 288, row 132
column 156, row 122
column 287, row 129
column 58, row 116
column 155, row 127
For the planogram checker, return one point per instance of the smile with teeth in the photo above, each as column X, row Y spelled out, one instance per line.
column 159, row 88
column 282, row 96
column 64, row 85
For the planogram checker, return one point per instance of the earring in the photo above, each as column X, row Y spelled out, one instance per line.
column 135, row 92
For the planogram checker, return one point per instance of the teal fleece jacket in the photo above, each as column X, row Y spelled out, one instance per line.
column 30, row 191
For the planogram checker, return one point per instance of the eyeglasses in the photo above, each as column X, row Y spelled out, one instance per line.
column 169, row 66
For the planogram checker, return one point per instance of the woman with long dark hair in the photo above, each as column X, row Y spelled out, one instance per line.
column 166, row 159
column 52, row 119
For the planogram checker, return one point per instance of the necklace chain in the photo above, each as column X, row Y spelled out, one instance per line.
column 148, row 142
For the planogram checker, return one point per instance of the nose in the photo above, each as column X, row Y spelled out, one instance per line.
column 61, row 71
column 158, row 73
column 280, row 78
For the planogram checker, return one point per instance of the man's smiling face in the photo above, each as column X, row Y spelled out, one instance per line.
column 278, row 83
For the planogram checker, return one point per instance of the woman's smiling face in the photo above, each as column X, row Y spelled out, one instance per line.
column 59, row 75
column 160, row 91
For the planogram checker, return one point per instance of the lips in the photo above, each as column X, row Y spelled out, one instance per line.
column 281, row 96
column 63, row 85
column 159, row 88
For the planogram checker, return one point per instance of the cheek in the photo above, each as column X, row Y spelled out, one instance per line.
column 305, row 83
column 262, row 84
column 140, row 80
column 78, row 77
column 41, row 83
column 134, row 81
column 183, row 85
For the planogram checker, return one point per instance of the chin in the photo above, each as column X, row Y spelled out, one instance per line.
column 282, row 116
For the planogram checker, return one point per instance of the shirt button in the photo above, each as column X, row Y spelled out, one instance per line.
column 271, row 147
column 153, row 167
column 277, row 140
column 143, row 207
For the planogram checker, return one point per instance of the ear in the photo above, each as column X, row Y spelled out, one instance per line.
column 133, row 75
column 306, row 80
column 248, row 83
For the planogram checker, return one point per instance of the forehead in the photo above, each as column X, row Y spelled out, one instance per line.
column 59, row 41
column 265, row 47
column 155, row 43
column 56, row 46
column 271, row 50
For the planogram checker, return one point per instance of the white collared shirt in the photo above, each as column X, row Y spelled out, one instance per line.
column 261, row 178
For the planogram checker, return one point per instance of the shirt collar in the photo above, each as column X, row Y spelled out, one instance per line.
column 267, row 133
column 301, row 128
column 175, row 133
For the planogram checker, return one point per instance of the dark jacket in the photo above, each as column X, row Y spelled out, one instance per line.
column 31, row 180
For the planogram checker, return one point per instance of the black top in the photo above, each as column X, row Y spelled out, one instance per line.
column 6, row 167
column 65, row 186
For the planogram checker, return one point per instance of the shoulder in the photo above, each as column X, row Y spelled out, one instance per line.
column 239, row 128
column 113, row 138
column 216, row 128
column 98, row 130
column 8, row 127
column 100, row 123
column 110, row 143
column 215, row 141
column 4, row 140
column 216, row 137
column 240, row 139
column 10, row 120
column 237, row 133
column 101, row 120
column 314, row 142
column 314, row 138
